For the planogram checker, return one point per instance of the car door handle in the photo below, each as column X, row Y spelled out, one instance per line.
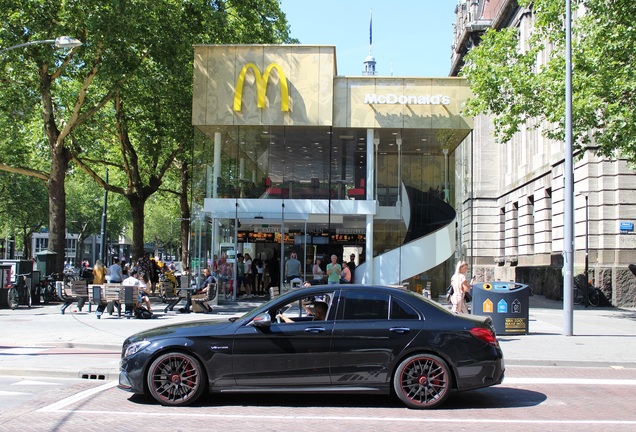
column 314, row 330
column 400, row 330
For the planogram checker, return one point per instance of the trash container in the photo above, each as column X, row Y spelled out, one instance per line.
column 507, row 303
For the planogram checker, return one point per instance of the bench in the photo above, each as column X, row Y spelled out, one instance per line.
column 169, row 294
column 200, row 301
column 111, row 296
column 71, row 292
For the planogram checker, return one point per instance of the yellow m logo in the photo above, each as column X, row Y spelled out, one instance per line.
column 261, row 86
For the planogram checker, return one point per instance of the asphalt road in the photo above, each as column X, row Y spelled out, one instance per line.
column 531, row 398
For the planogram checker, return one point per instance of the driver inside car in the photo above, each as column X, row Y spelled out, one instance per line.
column 319, row 312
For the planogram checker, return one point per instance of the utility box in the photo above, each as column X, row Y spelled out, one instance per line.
column 45, row 262
column 507, row 303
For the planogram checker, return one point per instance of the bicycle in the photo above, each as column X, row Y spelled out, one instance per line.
column 593, row 293
column 19, row 293
column 48, row 288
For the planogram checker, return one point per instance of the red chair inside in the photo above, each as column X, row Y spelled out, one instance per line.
column 357, row 193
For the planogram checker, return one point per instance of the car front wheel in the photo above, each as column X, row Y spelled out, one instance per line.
column 422, row 381
column 176, row 379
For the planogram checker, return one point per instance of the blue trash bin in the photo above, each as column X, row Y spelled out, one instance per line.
column 507, row 303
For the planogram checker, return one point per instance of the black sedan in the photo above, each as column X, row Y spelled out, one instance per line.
column 330, row 338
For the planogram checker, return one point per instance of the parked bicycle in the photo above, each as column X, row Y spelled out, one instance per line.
column 593, row 293
column 19, row 293
column 48, row 289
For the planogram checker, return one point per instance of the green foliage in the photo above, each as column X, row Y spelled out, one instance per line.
column 518, row 84
column 122, row 100
column 23, row 208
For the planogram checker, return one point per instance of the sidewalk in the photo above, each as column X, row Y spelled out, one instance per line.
column 42, row 342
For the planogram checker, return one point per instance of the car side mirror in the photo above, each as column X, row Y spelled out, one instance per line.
column 262, row 320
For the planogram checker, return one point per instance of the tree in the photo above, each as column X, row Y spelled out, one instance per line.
column 23, row 208
column 109, row 84
column 516, row 85
column 150, row 117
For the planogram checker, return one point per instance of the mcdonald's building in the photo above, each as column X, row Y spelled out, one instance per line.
column 291, row 157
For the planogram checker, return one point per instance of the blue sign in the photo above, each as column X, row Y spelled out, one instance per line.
column 502, row 306
column 627, row 226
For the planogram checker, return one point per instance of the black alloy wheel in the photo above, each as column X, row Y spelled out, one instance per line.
column 422, row 381
column 176, row 379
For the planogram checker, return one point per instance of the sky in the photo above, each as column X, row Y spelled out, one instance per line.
column 410, row 37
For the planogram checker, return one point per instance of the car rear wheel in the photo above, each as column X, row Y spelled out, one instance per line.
column 176, row 379
column 422, row 381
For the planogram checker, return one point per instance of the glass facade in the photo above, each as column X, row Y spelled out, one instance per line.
column 320, row 163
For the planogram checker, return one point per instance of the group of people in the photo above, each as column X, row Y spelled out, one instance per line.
column 249, row 274
column 144, row 274
column 335, row 273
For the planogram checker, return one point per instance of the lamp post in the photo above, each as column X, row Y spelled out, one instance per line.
column 60, row 42
column 568, row 186
column 102, row 246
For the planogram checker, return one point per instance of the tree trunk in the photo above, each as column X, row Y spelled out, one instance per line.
column 137, row 206
column 57, row 205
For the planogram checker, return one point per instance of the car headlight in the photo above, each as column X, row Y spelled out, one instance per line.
column 134, row 348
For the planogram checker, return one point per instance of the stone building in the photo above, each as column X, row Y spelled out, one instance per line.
column 510, row 197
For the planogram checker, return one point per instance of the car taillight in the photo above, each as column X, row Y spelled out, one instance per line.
column 485, row 335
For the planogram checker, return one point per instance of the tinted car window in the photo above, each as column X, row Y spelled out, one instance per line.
column 402, row 311
column 361, row 305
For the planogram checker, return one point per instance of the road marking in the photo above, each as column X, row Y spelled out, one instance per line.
column 29, row 383
column 8, row 393
column 57, row 406
column 570, row 381
column 393, row 420
column 22, row 351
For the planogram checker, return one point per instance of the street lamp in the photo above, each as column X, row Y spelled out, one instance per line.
column 568, row 187
column 60, row 42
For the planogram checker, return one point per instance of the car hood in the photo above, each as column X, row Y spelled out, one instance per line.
column 187, row 329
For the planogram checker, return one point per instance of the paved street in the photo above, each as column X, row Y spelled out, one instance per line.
column 530, row 399
column 58, row 373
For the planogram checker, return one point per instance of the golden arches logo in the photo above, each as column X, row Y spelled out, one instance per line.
column 261, row 86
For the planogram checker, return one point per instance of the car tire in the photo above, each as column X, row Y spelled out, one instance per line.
column 422, row 381
column 176, row 379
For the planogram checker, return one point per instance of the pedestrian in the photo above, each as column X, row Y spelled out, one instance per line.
column 345, row 276
column 460, row 288
column 143, row 296
column 153, row 275
column 292, row 267
column 259, row 265
column 240, row 276
column 273, row 268
column 352, row 266
column 248, row 276
column 317, row 271
column 99, row 273
column 115, row 272
column 333, row 271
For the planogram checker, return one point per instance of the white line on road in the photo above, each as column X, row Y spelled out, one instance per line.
column 57, row 406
